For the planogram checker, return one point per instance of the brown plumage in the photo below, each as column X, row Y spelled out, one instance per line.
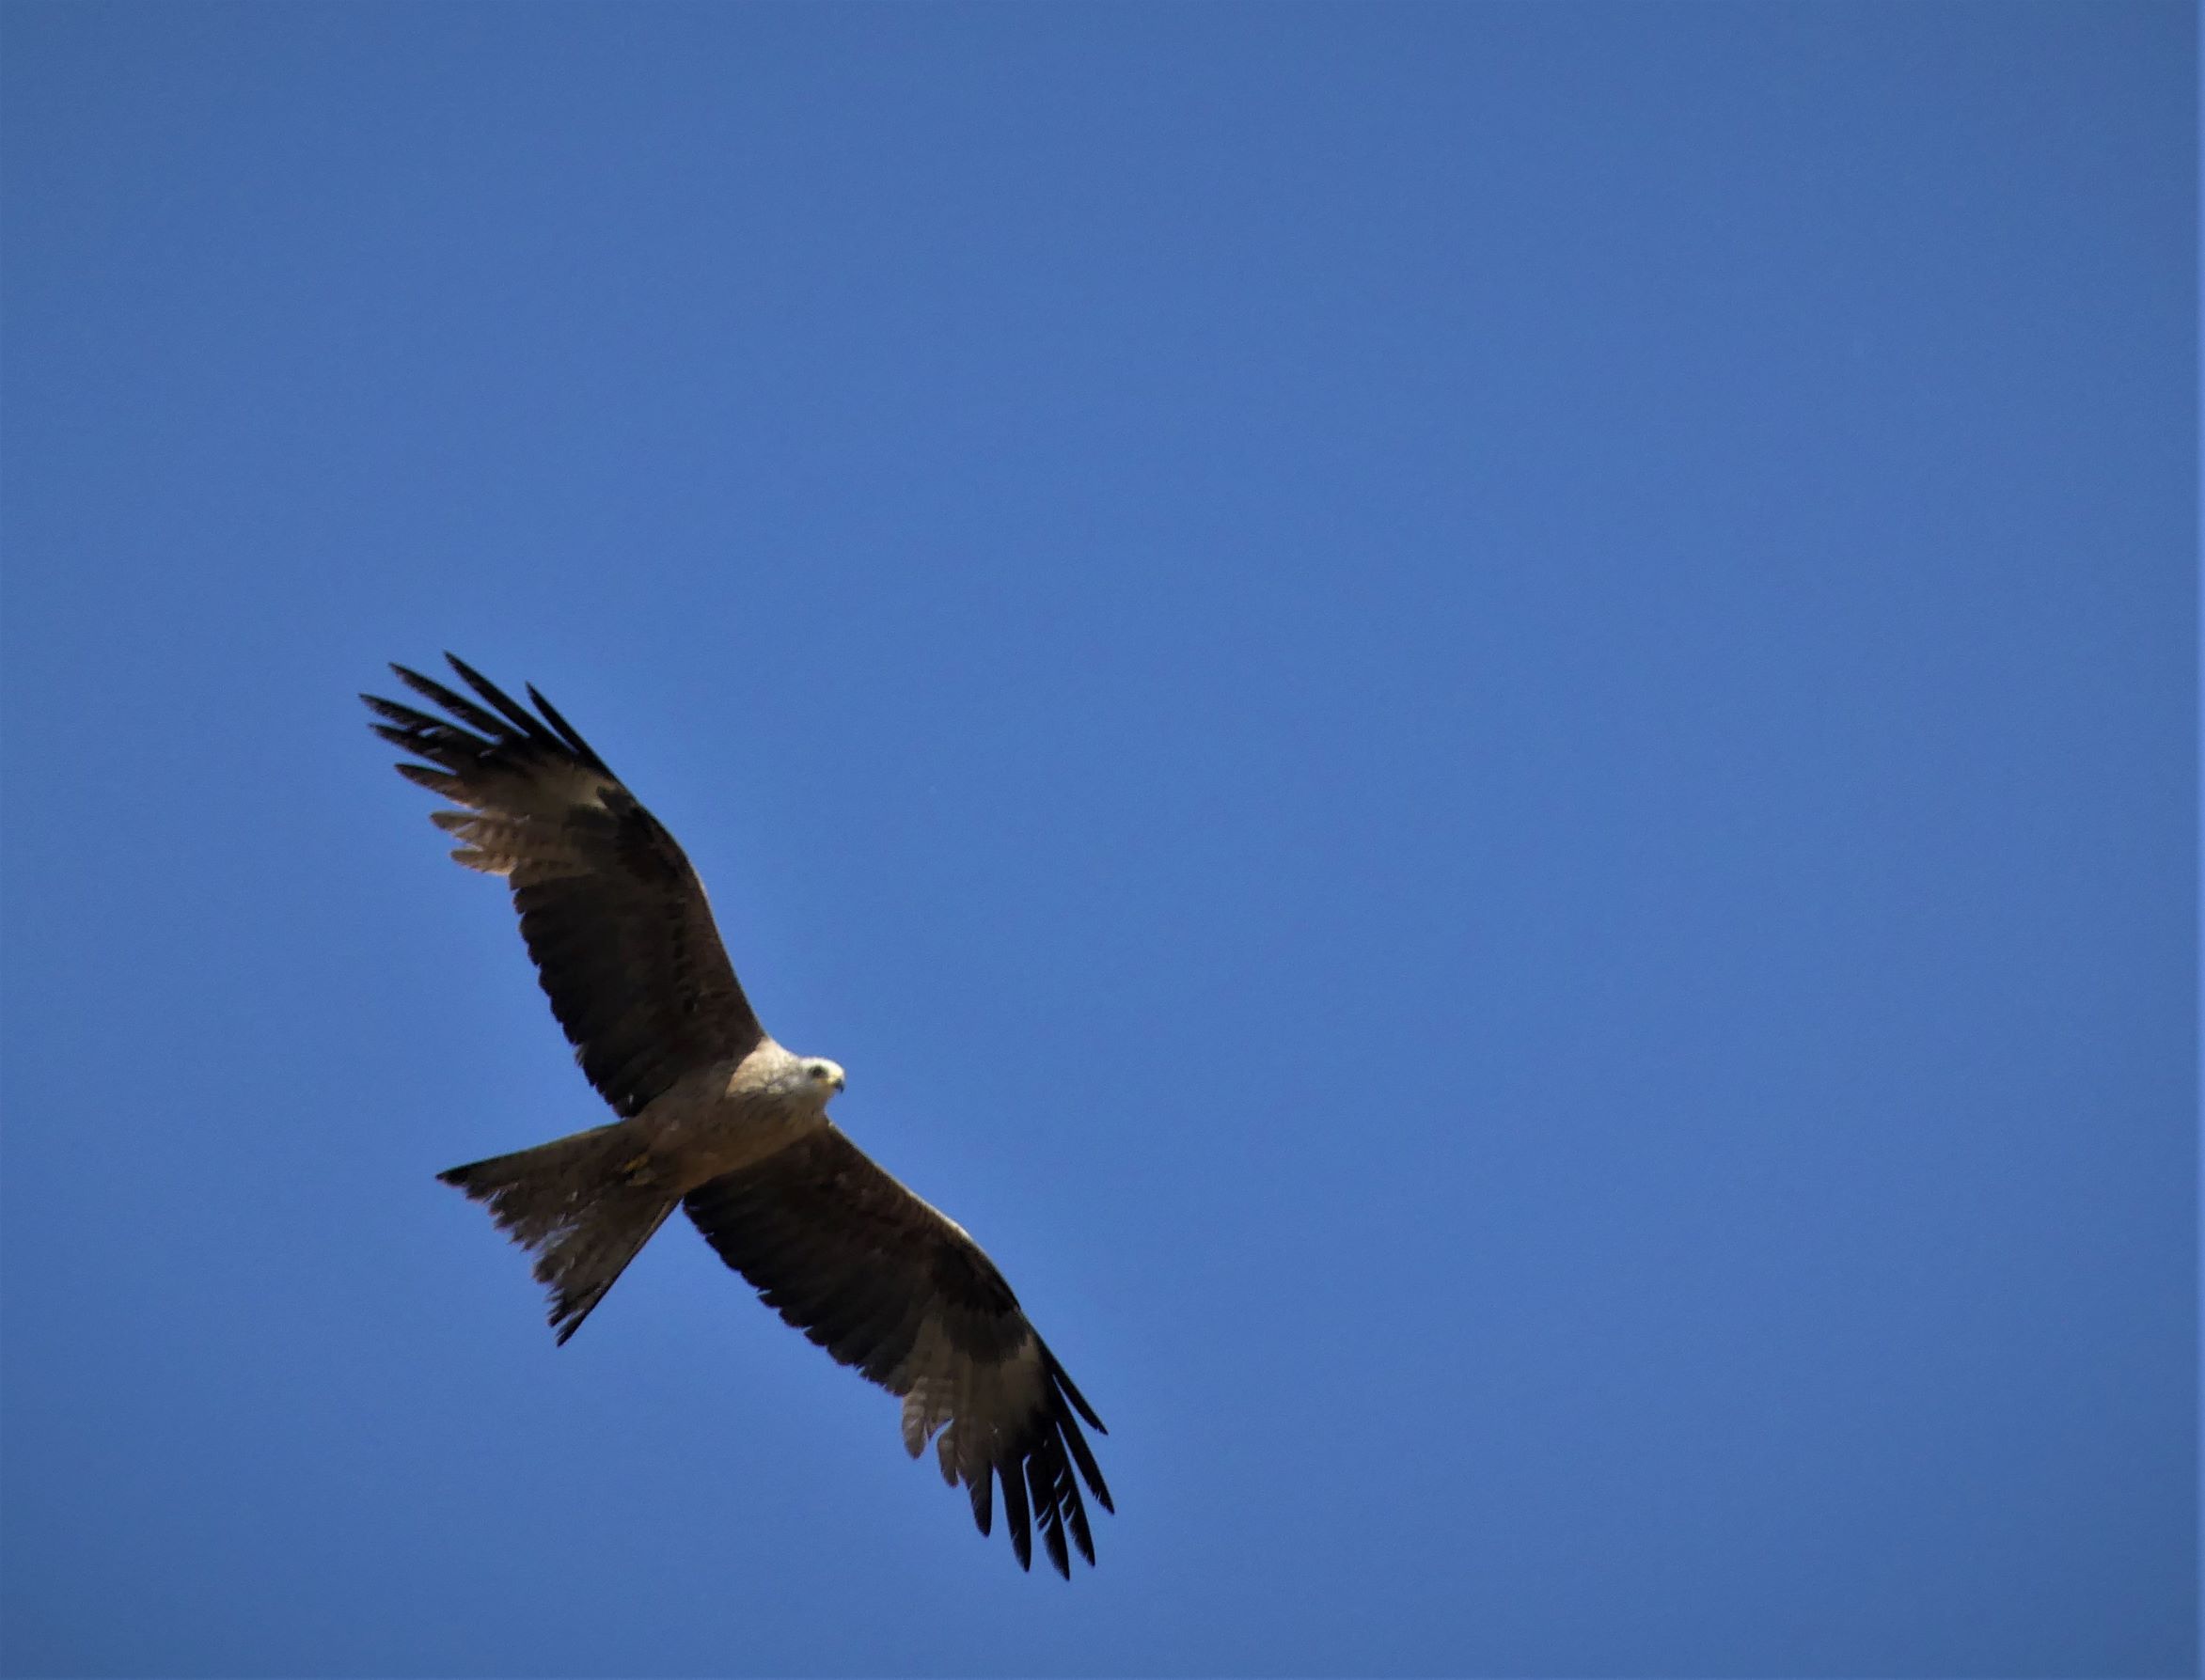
column 718, row 1118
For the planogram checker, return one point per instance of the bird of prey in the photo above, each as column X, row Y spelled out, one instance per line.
column 718, row 1119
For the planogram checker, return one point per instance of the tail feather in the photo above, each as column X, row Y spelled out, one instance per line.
column 583, row 1206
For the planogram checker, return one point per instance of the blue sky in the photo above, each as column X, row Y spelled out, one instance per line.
column 1476, row 721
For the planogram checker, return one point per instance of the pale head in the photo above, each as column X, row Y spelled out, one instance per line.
column 776, row 1074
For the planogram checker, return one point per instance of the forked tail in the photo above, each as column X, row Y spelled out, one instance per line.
column 583, row 1206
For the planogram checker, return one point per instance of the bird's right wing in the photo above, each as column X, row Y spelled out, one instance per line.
column 886, row 1285
column 612, row 913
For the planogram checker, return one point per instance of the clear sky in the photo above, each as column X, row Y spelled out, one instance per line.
column 1476, row 721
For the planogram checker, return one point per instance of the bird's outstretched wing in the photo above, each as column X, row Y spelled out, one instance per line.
column 885, row 1283
column 613, row 915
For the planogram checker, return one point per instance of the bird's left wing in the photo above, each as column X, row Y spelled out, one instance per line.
column 886, row 1285
column 612, row 913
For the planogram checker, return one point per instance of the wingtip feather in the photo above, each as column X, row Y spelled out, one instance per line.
column 983, row 1491
column 1018, row 1517
column 1071, row 1392
column 571, row 736
column 511, row 709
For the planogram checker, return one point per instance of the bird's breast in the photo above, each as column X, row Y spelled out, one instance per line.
column 710, row 1123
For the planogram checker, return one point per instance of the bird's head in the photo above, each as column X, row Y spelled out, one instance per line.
column 798, row 1081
